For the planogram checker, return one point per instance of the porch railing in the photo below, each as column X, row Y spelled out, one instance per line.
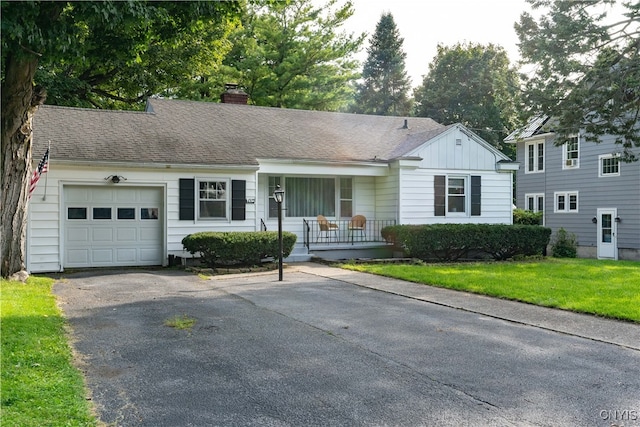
column 343, row 232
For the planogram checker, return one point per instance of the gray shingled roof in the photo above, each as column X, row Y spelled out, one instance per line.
column 188, row 132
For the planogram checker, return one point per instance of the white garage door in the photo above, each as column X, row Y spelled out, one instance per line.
column 112, row 226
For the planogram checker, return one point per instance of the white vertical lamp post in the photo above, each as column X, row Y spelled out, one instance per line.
column 278, row 195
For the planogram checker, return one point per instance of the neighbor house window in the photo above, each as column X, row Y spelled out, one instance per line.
column 212, row 199
column 571, row 153
column 566, row 202
column 534, row 157
column 534, row 202
column 609, row 165
column 346, row 197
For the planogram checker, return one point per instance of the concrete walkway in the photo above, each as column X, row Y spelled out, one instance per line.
column 624, row 334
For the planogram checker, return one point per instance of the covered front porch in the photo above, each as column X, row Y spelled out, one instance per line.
column 346, row 238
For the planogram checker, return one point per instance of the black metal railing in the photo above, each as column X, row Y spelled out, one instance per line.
column 263, row 226
column 306, row 229
column 344, row 232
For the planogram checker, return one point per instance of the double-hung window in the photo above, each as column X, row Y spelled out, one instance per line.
column 457, row 195
column 212, row 198
column 534, row 202
column 534, row 157
column 609, row 165
column 571, row 153
column 346, row 197
column 566, row 201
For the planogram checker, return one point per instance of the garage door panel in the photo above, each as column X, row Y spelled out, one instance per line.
column 150, row 234
column 126, row 255
column 78, row 234
column 129, row 238
column 76, row 257
column 102, row 255
column 129, row 234
column 102, row 235
column 150, row 254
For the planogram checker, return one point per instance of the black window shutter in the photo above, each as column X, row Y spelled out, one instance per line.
column 476, row 191
column 439, row 189
column 238, row 199
column 187, row 199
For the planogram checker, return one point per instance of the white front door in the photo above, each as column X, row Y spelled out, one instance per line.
column 607, row 234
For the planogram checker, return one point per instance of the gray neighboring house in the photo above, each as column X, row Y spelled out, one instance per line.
column 124, row 188
column 581, row 187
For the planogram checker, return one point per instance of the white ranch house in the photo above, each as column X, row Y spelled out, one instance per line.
column 124, row 187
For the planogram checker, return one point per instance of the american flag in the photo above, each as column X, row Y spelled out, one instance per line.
column 43, row 167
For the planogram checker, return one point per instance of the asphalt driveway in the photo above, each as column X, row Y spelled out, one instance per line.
column 323, row 348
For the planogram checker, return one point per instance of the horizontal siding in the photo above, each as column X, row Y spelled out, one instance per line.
column 417, row 198
column 387, row 190
column 620, row 192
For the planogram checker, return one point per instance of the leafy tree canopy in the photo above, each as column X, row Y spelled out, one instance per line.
column 386, row 84
column 585, row 68
column 474, row 85
column 287, row 54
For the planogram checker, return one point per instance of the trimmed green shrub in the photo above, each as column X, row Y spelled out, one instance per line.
column 524, row 217
column 564, row 245
column 228, row 248
column 450, row 242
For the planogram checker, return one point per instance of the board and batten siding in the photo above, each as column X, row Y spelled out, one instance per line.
column 455, row 153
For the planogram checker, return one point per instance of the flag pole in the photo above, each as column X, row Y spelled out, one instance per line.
column 46, row 178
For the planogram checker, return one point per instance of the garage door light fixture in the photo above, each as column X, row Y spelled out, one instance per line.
column 115, row 178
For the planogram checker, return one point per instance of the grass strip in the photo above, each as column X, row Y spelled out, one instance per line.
column 600, row 287
column 39, row 384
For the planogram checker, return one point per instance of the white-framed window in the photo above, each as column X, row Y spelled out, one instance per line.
column 534, row 157
column 571, row 153
column 534, row 202
column 213, row 199
column 566, row 201
column 313, row 196
column 609, row 165
column 346, row 197
column 457, row 194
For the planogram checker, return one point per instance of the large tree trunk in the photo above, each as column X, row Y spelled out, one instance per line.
column 19, row 102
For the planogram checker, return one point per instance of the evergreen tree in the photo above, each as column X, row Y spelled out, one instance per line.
column 386, row 84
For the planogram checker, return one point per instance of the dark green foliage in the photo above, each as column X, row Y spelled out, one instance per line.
column 525, row 217
column 291, row 54
column 586, row 76
column 474, row 85
column 564, row 245
column 450, row 242
column 385, row 88
column 247, row 248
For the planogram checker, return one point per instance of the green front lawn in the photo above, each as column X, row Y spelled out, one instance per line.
column 39, row 384
column 604, row 288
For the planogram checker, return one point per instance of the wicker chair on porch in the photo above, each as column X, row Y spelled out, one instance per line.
column 326, row 227
column 358, row 225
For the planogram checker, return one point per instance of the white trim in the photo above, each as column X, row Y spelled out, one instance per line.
column 536, row 166
column 467, row 196
column 567, row 197
column 608, row 156
column 567, row 163
column 227, row 195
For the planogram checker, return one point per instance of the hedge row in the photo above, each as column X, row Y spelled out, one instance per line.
column 247, row 248
column 450, row 242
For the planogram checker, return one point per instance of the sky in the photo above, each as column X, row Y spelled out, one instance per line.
column 425, row 23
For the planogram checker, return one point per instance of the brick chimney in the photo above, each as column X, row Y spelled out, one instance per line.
column 233, row 95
